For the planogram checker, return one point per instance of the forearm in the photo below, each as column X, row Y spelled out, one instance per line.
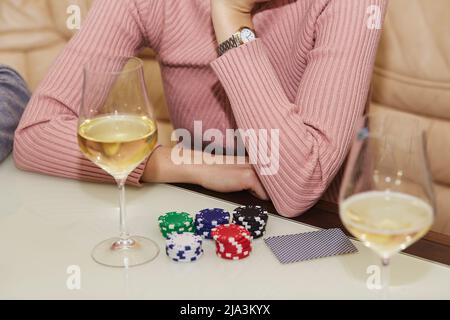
column 316, row 127
column 161, row 169
column 51, row 148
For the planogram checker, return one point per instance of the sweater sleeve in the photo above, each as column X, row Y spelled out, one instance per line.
column 46, row 140
column 315, row 130
column 14, row 96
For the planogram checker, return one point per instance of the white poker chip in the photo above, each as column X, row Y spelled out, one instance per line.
column 184, row 240
column 187, row 259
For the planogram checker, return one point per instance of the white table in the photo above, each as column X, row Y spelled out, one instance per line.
column 48, row 224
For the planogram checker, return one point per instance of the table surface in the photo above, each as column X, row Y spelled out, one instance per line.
column 49, row 224
column 434, row 246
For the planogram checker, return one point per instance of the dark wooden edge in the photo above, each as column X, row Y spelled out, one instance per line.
column 434, row 246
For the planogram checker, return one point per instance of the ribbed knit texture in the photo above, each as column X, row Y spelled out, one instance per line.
column 14, row 96
column 307, row 75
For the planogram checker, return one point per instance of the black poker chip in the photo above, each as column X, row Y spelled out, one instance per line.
column 250, row 227
column 252, row 223
column 258, row 235
column 250, row 213
column 253, row 218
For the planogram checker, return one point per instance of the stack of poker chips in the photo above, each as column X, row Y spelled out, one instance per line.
column 175, row 222
column 253, row 218
column 233, row 242
column 184, row 247
column 207, row 219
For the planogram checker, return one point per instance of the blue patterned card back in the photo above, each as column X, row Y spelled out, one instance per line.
column 310, row 245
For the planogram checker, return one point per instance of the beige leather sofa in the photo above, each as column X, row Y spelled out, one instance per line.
column 32, row 33
column 412, row 77
column 412, row 74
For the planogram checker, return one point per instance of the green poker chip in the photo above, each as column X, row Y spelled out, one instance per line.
column 175, row 222
column 166, row 234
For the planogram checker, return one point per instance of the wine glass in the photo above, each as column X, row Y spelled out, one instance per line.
column 386, row 198
column 117, row 132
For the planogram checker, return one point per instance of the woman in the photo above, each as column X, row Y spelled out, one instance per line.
column 307, row 74
column 14, row 96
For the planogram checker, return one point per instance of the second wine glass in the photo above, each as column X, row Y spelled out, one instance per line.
column 387, row 198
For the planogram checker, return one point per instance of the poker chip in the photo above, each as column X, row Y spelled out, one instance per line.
column 250, row 213
column 187, row 260
column 233, row 239
column 184, row 241
column 184, row 247
column 245, row 243
column 252, row 218
column 230, row 256
column 175, row 222
column 233, row 242
column 232, row 249
column 208, row 219
column 230, row 233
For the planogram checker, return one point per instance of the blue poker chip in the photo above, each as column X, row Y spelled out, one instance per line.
column 212, row 217
column 207, row 219
column 204, row 233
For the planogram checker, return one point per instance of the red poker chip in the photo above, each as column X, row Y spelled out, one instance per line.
column 230, row 233
column 233, row 249
column 234, row 245
column 229, row 256
column 243, row 242
column 232, row 254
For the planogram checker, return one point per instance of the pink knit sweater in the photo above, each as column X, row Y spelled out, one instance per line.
column 308, row 75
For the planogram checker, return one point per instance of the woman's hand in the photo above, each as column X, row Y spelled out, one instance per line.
column 217, row 177
column 230, row 15
column 232, row 178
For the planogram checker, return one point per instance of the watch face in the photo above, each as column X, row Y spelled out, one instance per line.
column 247, row 35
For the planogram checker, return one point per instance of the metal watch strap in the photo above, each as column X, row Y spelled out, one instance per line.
column 232, row 42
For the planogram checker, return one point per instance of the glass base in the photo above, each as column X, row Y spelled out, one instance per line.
column 120, row 253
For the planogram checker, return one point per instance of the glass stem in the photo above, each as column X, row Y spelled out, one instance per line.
column 385, row 277
column 124, row 235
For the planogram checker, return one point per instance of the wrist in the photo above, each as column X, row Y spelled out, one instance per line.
column 227, row 21
column 161, row 169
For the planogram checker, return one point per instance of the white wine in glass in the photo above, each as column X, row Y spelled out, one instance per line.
column 117, row 132
column 117, row 143
column 387, row 198
column 387, row 222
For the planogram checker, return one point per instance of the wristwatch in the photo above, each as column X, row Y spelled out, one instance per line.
column 244, row 35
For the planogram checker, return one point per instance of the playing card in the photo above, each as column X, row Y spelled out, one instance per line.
column 310, row 245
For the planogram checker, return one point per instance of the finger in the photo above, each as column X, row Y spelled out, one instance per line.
column 259, row 191
column 259, row 196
